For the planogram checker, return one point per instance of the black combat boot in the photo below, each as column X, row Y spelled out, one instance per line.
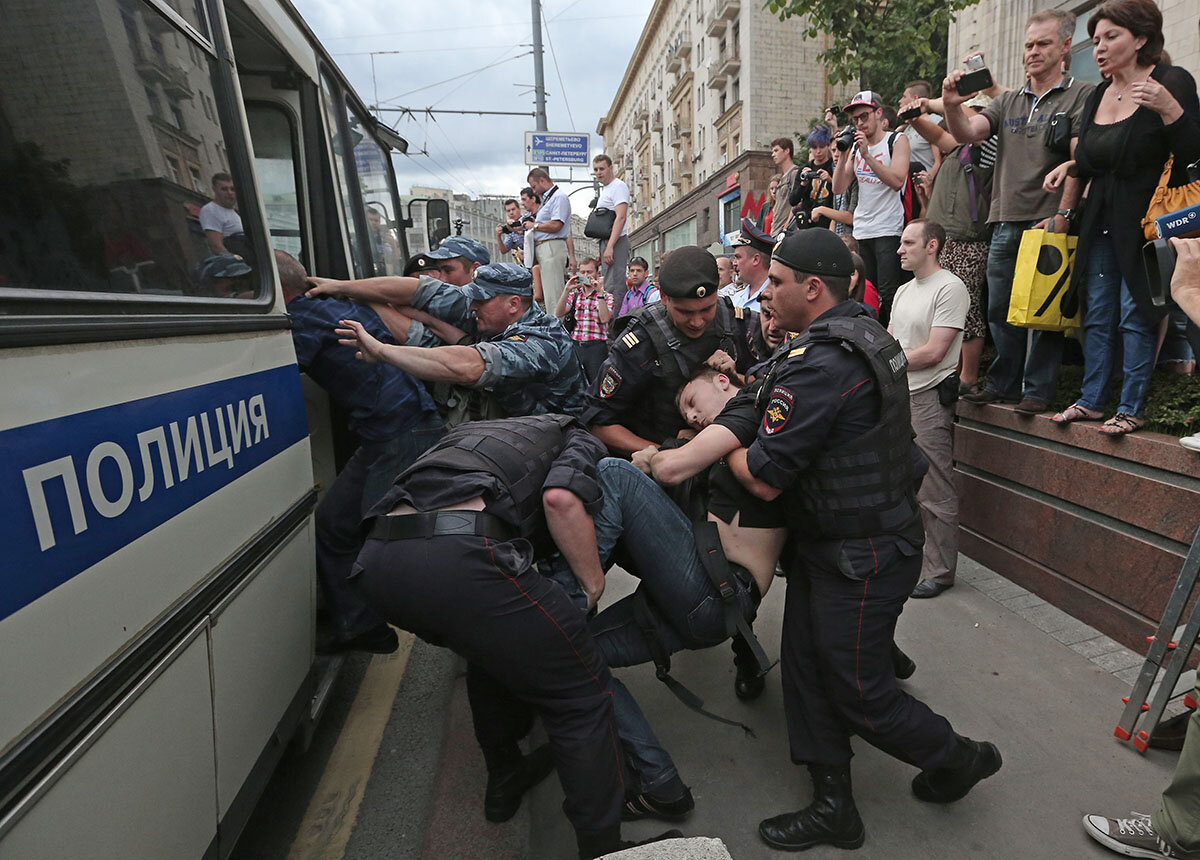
column 831, row 818
column 748, row 684
column 969, row 762
column 507, row 784
column 902, row 665
column 600, row 842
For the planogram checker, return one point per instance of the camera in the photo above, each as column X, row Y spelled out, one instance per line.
column 845, row 138
column 977, row 77
column 807, row 174
column 584, row 281
column 1158, row 256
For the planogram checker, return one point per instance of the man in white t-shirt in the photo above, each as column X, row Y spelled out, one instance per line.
column 928, row 317
column 614, row 251
column 219, row 218
column 880, row 165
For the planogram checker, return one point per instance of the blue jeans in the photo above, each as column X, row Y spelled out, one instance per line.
column 1110, row 310
column 362, row 482
column 658, row 537
column 1011, row 374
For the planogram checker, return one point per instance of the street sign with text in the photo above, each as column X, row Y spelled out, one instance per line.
column 565, row 149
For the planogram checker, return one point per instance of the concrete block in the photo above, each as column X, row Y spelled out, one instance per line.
column 1046, row 618
column 1130, row 675
column 990, row 584
column 1008, row 591
column 1095, row 647
column 1118, row 660
column 1072, row 633
column 695, row 848
column 1025, row 601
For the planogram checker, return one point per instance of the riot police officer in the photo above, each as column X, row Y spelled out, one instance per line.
column 631, row 405
column 449, row 556
column 523, row 363
column 834, row 441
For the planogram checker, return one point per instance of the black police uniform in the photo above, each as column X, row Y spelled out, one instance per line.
column 466, row 579
column 651, row 359
column 834, row 435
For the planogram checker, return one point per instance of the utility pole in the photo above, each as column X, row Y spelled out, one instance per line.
column 539, row 75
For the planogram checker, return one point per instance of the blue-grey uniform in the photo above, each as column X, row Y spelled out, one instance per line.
column 530, row 368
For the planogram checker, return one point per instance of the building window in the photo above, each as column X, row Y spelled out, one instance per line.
column 680, row 235
column 721, row 105
column 155, row 102
column 737, row 144
column 736, row 90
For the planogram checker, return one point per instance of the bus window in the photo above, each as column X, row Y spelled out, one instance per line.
column 340, row 149
column 115, row 167
column 371, row 159
column 275, row 162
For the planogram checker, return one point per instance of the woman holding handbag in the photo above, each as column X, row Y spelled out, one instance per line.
column 1142, row 114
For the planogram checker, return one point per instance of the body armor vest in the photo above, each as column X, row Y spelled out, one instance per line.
column 516, row 451
column 866, row 486
column 658, row 416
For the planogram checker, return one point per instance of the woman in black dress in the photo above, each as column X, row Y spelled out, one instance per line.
column 1140, row 115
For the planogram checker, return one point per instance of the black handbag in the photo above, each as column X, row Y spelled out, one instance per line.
column 1058, row 134
column 600, row 224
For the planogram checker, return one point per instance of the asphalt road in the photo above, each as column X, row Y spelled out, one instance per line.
column 1049, row 706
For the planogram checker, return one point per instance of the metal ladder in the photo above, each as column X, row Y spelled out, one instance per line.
column 1166, row 654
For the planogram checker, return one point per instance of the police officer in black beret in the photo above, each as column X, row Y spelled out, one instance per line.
column 834, row 443
column 449, row 556
column 631, row 405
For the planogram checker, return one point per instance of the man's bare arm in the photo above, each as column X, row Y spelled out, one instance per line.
column 933, row 350
column 574, row 532
column 741, row 471
column 462, row 365
column 678, row 464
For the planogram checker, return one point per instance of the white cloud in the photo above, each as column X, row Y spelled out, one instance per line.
column 455, row 38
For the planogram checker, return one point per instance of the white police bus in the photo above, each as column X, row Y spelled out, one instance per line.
column 157, row 473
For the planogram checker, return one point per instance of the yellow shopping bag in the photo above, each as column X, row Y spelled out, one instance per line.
column 1043, row 272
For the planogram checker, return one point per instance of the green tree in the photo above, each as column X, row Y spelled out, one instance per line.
column 881, row 44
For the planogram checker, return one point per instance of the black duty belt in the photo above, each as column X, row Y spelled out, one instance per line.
column 440, row 523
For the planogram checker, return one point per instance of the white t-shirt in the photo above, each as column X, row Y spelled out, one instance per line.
column 610, row 195
column 213, row 216
column 939, row 301
column 880, row 211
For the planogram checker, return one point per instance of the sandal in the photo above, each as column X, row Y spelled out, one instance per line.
column 1120, row 424
column 1075, row 412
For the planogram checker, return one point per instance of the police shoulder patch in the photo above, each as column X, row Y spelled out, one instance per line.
column 739, row 312
column 520, row 337
column 798, row 351
column 610, row 382
column 779, row 410
column 630, row 340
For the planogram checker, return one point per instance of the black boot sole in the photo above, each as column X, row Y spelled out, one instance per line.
column 849, row 843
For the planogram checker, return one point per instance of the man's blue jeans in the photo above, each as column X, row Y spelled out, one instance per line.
column 1110, row 309
column 1039, row 374
column 658, row 537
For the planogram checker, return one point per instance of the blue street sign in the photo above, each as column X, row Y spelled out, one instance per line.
column 566, row 149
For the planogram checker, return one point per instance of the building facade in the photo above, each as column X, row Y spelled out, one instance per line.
column 709, row 85
column 997, row 27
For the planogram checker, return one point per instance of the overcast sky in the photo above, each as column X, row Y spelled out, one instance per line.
column 446, row 46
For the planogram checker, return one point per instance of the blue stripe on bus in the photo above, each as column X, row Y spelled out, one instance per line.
column 56, row 523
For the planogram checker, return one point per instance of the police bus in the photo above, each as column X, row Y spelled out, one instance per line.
column 157, row 470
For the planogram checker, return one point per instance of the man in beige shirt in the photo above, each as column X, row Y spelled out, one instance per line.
column 928, row 317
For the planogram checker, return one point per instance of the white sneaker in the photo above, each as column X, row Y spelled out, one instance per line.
column 1191, row 442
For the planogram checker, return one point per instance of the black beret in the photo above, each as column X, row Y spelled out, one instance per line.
column 689, row 272
column 814, row 251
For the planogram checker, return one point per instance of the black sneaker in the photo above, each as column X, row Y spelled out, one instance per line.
column 676, row 806
column 1133, row 837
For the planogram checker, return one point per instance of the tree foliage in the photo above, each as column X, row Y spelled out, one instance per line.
column 881, row 44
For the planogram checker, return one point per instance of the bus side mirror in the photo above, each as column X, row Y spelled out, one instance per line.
column 437, row 222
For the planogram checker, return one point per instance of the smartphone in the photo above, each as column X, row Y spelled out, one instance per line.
column 974, row 63
column 973, row 82
column 911, row 113
column 584, row 281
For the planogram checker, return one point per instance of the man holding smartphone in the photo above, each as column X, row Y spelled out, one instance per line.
column 1020, row 118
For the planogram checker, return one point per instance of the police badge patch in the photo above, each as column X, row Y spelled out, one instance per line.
column 779, row 410
column 610, row 383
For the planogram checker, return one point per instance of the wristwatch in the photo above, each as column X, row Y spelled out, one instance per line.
column 1069, row 214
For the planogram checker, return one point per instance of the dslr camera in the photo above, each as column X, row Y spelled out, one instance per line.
column 845, row 138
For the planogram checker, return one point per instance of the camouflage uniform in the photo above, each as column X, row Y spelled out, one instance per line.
column 529, row 369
